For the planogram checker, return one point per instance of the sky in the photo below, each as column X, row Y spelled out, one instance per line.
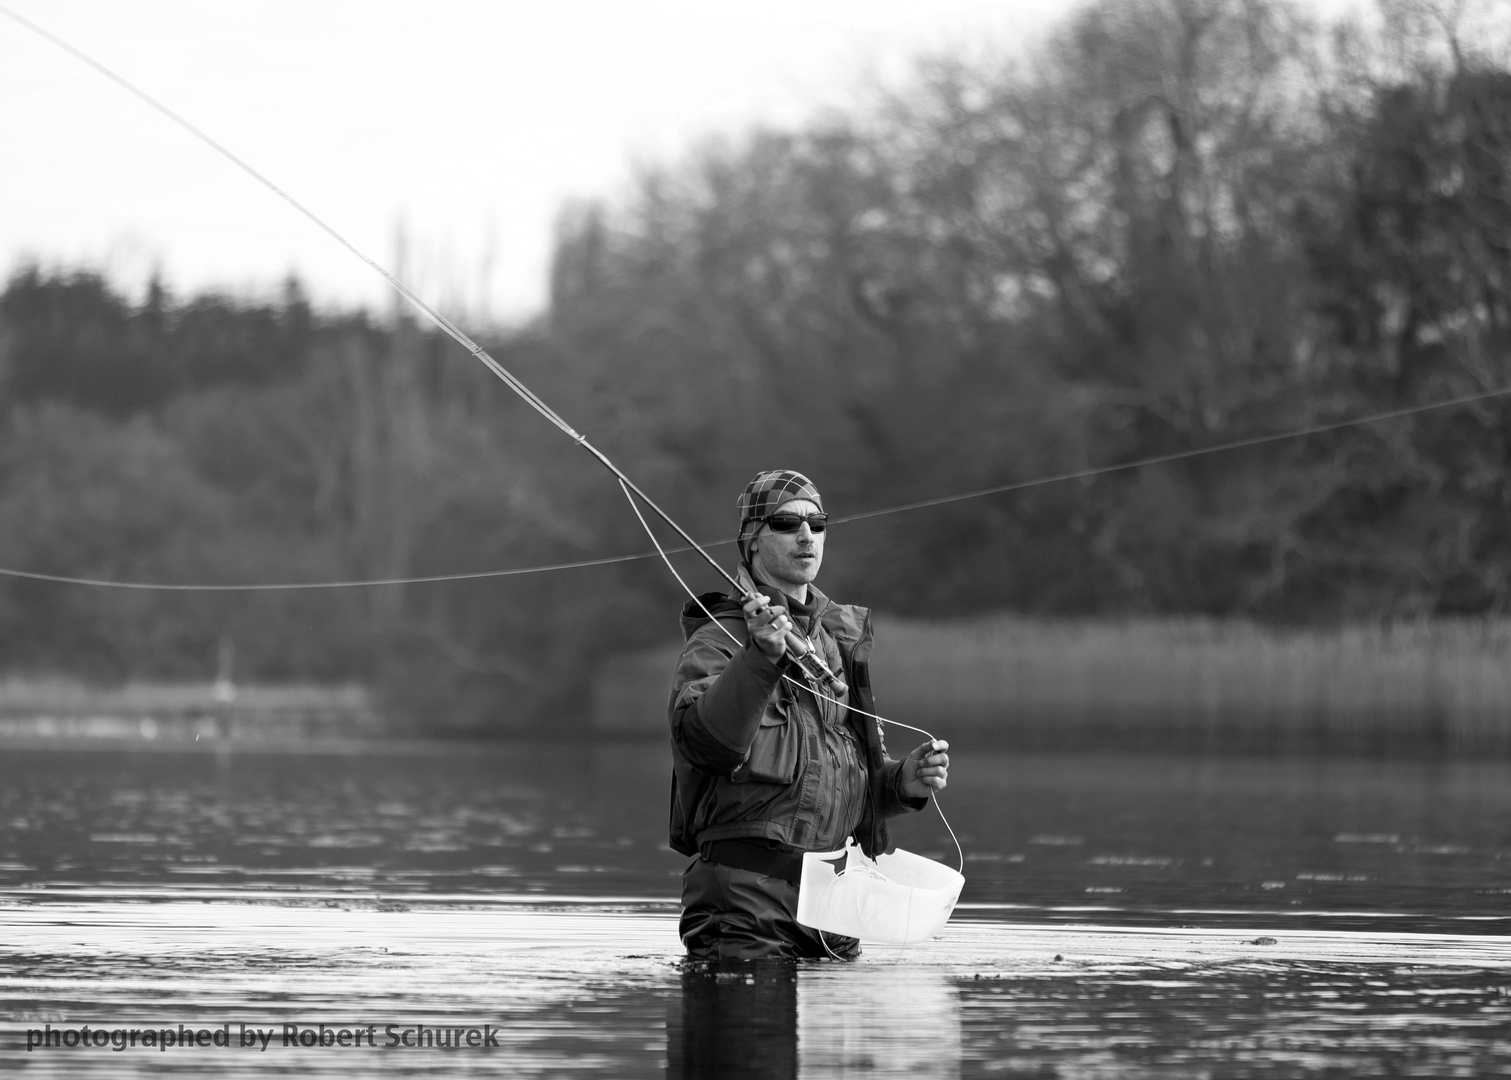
column 461, row 125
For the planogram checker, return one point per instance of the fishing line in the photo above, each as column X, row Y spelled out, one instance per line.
column 799, row 649
column 478, row 352
column 535, row 402
column 1016, row 485
column 1184, row 455
column 815, row 691
column 363, row 583
column 434, row 316
column 440, row 321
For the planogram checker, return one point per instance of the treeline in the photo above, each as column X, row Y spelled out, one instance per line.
column 1173, row 225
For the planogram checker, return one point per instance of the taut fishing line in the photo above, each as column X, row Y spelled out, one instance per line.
column 455, row 333
column 801, row 650
column 440, row 321
column 817, row 672
column 363, row 583
column 1000, row 489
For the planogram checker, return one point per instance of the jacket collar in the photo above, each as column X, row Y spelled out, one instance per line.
column 817, row 601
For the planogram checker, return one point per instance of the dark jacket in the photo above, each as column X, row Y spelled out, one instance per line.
column 748, row 749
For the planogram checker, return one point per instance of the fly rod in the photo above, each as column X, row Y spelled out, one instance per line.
column 798, row 646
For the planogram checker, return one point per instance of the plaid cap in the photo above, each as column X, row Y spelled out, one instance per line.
column 765, row 493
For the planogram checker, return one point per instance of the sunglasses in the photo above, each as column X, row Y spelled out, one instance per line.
column 786, row 523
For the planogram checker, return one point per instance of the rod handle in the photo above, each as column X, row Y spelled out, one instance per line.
column 802, row 651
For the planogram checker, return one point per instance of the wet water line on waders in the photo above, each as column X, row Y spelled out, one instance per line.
column 897, row 898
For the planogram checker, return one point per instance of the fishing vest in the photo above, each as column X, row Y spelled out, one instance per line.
column 707, row 807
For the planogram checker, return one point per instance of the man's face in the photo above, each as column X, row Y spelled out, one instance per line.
column 789, row 560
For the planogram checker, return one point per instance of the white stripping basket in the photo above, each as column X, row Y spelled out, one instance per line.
column 897, row 899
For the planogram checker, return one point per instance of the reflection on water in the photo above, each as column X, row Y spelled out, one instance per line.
column 888, row 1021
column 778, row 1019
column 736, row 1020
column 591, row 989
column 1138, row 917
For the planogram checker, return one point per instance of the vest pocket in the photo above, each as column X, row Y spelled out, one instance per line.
column 773, row 754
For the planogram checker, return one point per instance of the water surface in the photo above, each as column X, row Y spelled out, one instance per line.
column 1123, row 917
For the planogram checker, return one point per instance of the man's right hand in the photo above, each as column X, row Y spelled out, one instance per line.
column 768, row 626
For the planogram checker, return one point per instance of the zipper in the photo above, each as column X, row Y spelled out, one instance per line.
column 845, row 803
column 846, row 764
column 844, row 760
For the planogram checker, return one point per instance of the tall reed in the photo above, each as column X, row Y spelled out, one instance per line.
column 1441, row 683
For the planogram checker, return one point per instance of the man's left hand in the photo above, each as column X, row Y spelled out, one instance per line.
column 926, row 769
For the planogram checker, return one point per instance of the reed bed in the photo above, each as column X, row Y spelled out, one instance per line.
column 28, row 694
column 1442, row 684
column 69, row 709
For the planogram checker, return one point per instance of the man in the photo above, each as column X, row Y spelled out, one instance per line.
column 767, row 762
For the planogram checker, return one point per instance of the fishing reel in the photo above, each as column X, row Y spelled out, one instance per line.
column 807, row 659
column 799, row 648
column 812, row 665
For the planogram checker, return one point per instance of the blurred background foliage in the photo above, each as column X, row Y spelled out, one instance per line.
column 1173, row 224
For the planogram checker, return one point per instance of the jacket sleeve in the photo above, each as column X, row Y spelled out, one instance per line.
column 893, row 801
column 718, row 696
